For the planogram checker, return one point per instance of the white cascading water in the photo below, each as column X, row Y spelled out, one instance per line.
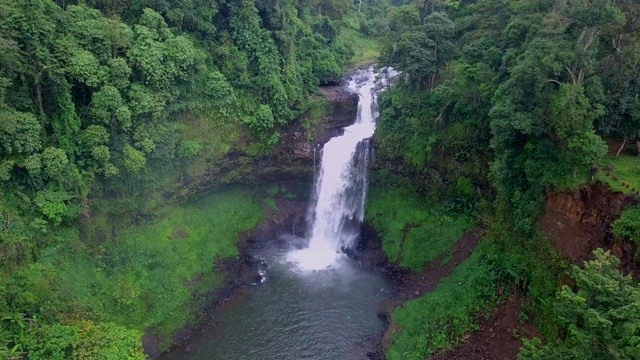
column 341, row 184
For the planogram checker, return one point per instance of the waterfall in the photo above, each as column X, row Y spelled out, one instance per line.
column 337, row 207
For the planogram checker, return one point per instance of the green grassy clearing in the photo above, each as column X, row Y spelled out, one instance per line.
column 624, row 168
column 414, row 232
column 440, row 319
column 366, row 49
column 149, row 275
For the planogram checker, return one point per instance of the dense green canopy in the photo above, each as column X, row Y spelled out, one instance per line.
column 497, row 101
column 93, row 97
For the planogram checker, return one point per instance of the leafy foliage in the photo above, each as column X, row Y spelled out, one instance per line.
column 440, row 319
column 601, row 318
column 514, row 96
column 137, row 276
column 628, row 226
column 97, row 101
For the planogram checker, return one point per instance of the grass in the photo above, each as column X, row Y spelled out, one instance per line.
column 366, row 49
column 414, row 232
column 149, row 275
column 217, row 138
column 440, row 319
column 622, row 173
column 270, row 204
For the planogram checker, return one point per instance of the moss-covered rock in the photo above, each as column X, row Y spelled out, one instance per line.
column 292, row 158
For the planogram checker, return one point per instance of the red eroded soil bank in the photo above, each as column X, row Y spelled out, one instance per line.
column 576, row 223
column 579, row 222
column 499, row 336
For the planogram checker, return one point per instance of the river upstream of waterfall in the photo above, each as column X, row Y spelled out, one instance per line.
column 314, row 302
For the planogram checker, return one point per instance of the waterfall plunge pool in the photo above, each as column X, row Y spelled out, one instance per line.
column 315, row 303
column 296, row 314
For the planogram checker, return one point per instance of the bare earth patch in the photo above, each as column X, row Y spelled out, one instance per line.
column 499, row 337
column 579, row 222
column 179, row 233
column 416, row 284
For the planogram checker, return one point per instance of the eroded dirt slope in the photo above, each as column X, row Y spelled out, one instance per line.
column 579, row 222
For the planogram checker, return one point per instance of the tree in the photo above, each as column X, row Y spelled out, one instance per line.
column 133, row 159
column 53, row 204
column 55, row 160
column 20, row 133
column 334, row 9
column 418, row 48
column 83, row 67
column 439, row 28
column 160, row 58
column 601, row 319
column 108, row 108
column 628, row 226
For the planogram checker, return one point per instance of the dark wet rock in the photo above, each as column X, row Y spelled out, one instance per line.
column 289, row 219
column 250, row 276
column 386, row 308
column 370, row 349
column 341, row 107
column 368, row 250
column 185, row 333
column 387, row 338
column 234, row 154
column 150, row 343
column 373, row 258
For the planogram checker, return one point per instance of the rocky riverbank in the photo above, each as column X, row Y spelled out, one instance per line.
column 242, row 272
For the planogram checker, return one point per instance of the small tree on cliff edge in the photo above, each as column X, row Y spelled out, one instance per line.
column 601, row 320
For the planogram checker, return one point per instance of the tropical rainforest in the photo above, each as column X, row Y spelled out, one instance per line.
column 99, row 100
column 104, row 103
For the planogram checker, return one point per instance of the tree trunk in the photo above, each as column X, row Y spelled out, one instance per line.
column 621, row 147
column 433, row 77
column 39, row 97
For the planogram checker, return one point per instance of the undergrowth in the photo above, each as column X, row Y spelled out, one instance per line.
column 628, row 227
column 414, row 231
column 441, row 318
column 366, row 49
column 147, row 275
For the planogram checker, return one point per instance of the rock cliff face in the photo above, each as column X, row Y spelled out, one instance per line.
column 292, row 159
column 298, row 143
column 579, row 222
